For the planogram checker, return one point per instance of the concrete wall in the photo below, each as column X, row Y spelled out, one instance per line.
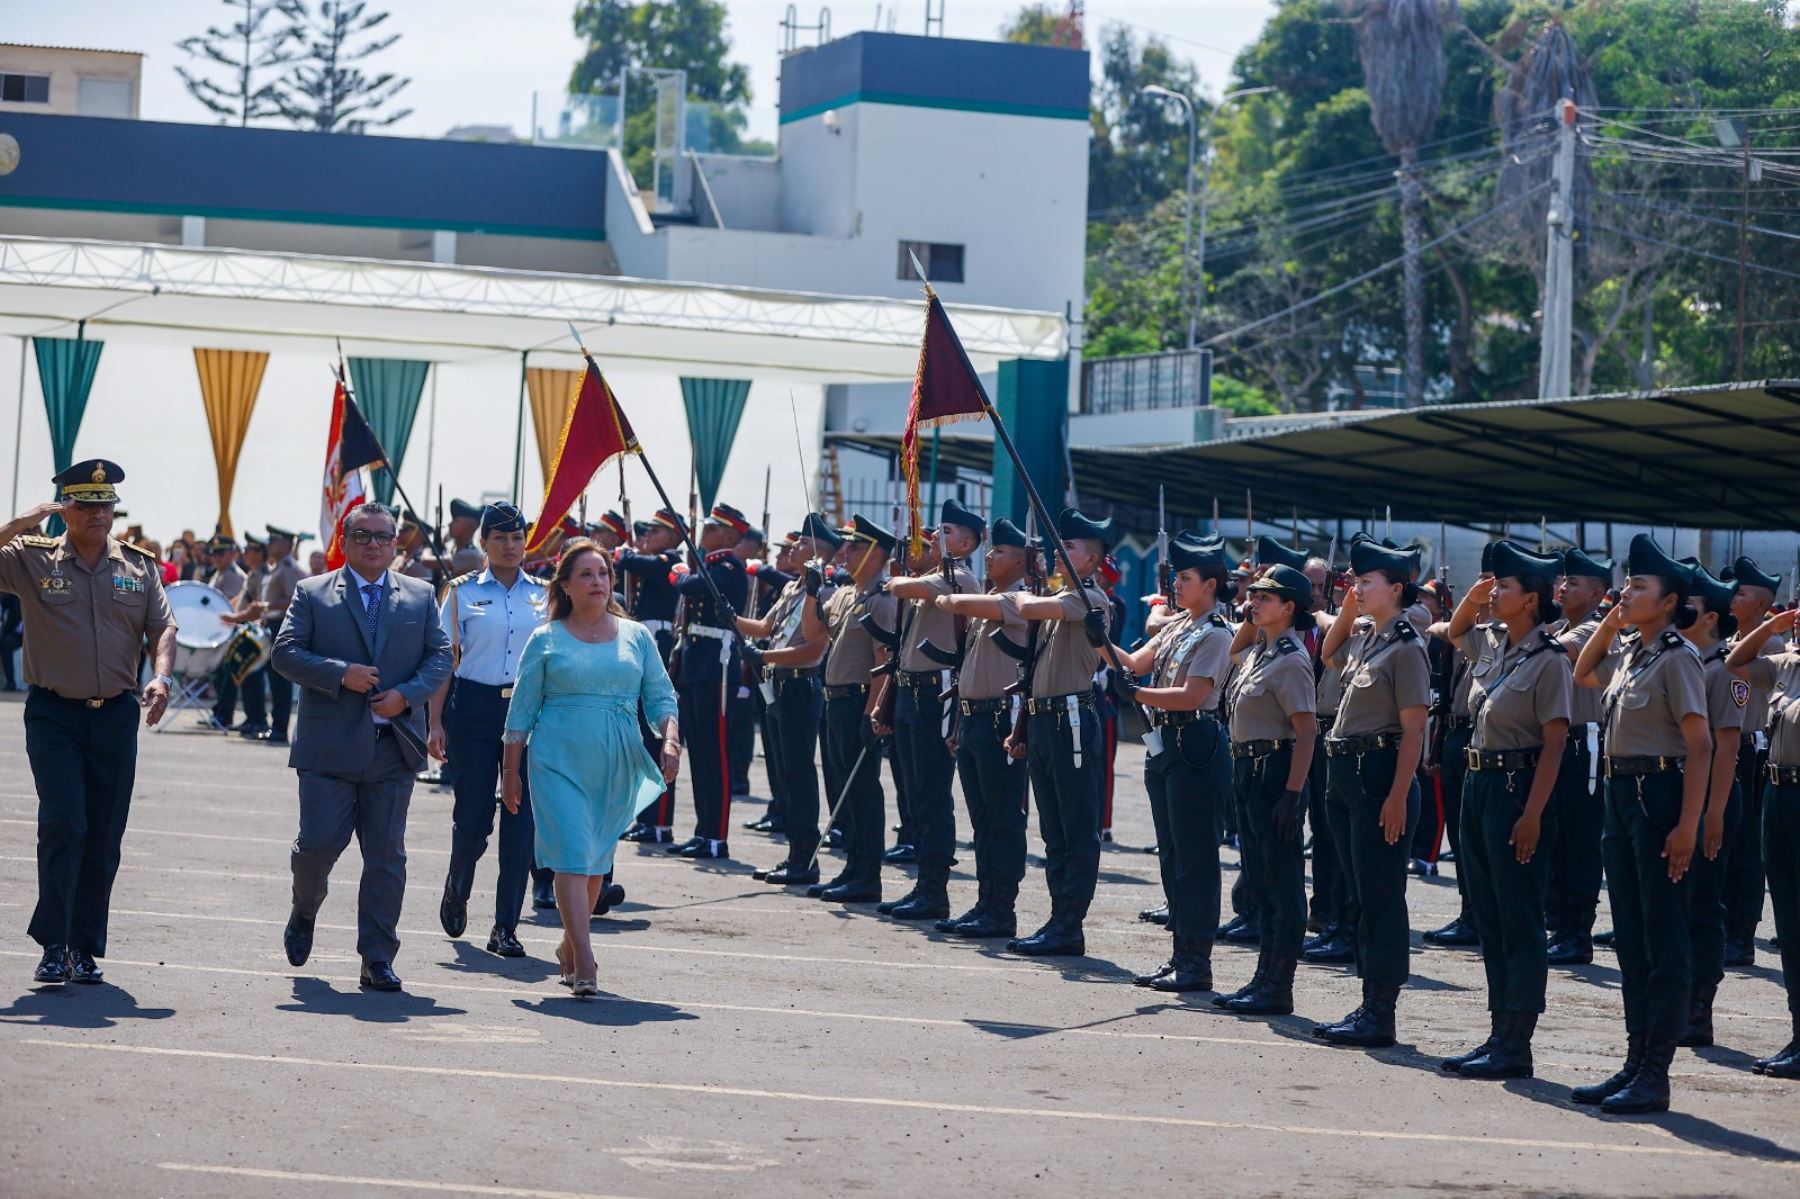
column 747, row 190
column 67, row 68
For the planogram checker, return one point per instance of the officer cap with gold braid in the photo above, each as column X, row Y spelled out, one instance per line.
column 90, row 482
column 819, row 529
column 862, row 529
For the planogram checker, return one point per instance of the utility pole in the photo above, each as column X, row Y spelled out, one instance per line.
column 1559, row 264
column 1743, row 238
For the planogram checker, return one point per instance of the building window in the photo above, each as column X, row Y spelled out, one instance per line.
column 25, row 89
column 943, row 263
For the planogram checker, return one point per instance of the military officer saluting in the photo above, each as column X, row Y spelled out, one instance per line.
column 708, row 678
column 1753, row 597
column 89, row 602
column 488, row 615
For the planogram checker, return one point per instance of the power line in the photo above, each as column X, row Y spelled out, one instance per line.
column 1698, row 253
column 1710, row 220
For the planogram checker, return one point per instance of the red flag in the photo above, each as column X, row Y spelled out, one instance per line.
column 945, row 389
column 594, row 433
column 343, row 483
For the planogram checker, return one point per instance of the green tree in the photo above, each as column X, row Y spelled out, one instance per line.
column 254, row 55
column 328, row 91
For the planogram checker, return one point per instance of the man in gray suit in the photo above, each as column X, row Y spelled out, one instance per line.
column 367, row 650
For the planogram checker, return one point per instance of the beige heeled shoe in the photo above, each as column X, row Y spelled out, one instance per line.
column 586, row 988
column 567, row 970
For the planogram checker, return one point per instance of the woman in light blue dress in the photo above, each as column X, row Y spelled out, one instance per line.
column 581, row 678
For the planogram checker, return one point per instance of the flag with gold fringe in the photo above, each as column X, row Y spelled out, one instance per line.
column 945, row 389
column 594, row 433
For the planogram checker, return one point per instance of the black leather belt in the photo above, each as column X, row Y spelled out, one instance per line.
column 93, row 704
column 1502, row 759
column 1161, row 719
column 919, row 679
column 972, row 707
column 1642, row 765
column 1784, row 776
column 842, row 690
column 1259, row 749
column 501, row 691
column 784, row 674
column 1059, row 703
column 1458, row 722
column 1344, row 747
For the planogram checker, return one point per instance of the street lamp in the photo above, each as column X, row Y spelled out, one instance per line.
column 1733, row 134
column 1187, row 224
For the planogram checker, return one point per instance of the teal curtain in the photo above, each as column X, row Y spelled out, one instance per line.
column 714, row 408
column 66, row 369
column 388, row 392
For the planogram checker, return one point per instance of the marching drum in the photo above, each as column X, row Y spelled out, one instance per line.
column 200, row 634
column 249, row 650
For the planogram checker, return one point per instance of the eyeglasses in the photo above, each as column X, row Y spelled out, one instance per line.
column 364, row 537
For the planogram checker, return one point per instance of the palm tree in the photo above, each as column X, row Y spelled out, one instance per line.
column 1401, row 44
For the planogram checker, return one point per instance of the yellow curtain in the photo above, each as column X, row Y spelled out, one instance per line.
column 552, row 395
column 229, row 381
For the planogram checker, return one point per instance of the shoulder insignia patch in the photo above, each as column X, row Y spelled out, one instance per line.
column 1404, row 631
column 1740, row 692
column 1671, row 638
column 1285, row 646
column 139, row 550
column 39, row 542
column 1219, row 620
column 459, row 580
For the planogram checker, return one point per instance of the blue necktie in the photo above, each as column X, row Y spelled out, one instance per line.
column 372, row 608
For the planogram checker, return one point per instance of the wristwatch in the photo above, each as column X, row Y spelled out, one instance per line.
column 167, row 680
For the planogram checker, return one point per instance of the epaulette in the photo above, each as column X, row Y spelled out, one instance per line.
column 1671, row 638
column 1219, row 620
column 459, row 580
column 136, row 549
column 45, row 543
column 1286, row 646
column 1404, row 631
column 718, row 556
column 1551, row 640
column 540, row 580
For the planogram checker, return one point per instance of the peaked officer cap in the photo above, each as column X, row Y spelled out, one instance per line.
column 819, row 529
column 464, row 510
column 1289, row 582
column 862, row 529
column 1370, row 555
column 1189, row 551
column 954, row 513
column 90, row 482
column 1271, row 552
column 501, row 517
column 1581, row 564
column 1746, row 573
column 1647, row 558
column 1716, row 592
column 1510, row 560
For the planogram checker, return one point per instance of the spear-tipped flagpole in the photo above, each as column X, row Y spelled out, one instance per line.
column 343, row 378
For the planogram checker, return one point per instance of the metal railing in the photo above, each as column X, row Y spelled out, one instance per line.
column 1146, row 382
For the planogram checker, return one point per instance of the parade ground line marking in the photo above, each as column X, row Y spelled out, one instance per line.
column 401, row 1184
column 546, row 991
column 935, row 1107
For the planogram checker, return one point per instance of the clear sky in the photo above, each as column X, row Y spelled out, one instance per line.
column 477, row 62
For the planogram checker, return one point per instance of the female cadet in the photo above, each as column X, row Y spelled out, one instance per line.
column 1372, row 774
column 1186, row 770
column 1519, row 696
column 1725, row 699
column 1779, row 675
column 1658, row 751
column 1273, row 727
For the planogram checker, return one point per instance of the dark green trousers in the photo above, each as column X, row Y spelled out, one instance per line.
column 1650, row 913
column 993, row 787
column 1276, row 866
column 1359, row 786
column 1188, row 784
column 1506, row 900
column 1781, row 860
column 1706, row 906
column 855, row 776
column 1068, row 801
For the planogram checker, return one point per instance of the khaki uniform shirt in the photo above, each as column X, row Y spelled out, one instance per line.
column 928, row 622
column 1778, row 674
column 1462, row 681
column 987, row 671
column 1727, row 696
column 1329, row 693
column 1515, row 690
column 1065, row 661
column 1385, row 672
column 84, row 629
column 1584, row 705
column 1182, row 649
column 1756, row 708
column 228, row 582
column 1649, row 690
column 852, row 653
column 1272, row 685
column 787, row 612
column 279, row 582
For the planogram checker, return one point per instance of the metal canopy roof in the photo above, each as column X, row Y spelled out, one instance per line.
column 1725, row 456
column 234, row 299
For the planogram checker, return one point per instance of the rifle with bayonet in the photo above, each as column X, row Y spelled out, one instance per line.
column 886, row 675
column 1025, row 655
column 1165, row 574
column 1444, row 679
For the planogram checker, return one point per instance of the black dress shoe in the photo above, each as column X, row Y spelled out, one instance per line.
column 852, row 892
column 54, row 968
column 705, row 849
column 1605, row 938
column 648, row 834
column 683, row 848
column 453, row 913
column 1059, row 938
column 834, row 838
column 900, row 855
column 379, row 976
column 1740, row 952
column 611, row 896
column 1155, row 915
column 297, row 938
column 252, row 732
column 790, row 875
column 1569, row 949
column 273, row 737
column 1248, row 933
column 1339, row 949
column 83, row 968
column 759, row 825
column 543, row 895
column 502, row 941
column 1458, row 934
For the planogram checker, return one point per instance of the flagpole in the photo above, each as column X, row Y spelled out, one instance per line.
column 437, row 542
column 519, row 437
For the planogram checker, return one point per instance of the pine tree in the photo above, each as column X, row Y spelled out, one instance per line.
column 328, row 91
column 249, row 52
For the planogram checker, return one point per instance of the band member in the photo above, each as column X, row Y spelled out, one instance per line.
column 488, row 616
column 1762, row 656
column 1658, row 754
column 1578, row 805
column 1374, row 752
column 1273, row 735
column 647, row 575
column 90, row 603
column 923, row 712
column 253, row 687
column 708, row 679
column 852, row 748
column 1519, row 705
column 226, row 577
column 988, row 705
column 1750, row 604
column 275, row 591
column 1063, row 734
column 1187, row 767
column 790, row 679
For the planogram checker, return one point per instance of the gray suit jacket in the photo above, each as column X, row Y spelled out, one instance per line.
column 326, row 630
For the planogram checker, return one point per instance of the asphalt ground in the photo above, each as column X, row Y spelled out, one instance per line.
column 753, row 1042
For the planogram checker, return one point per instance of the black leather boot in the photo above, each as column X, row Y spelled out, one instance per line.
column 1700, row 1021
column 1192, row 968
column 1243, row 931
column 1648, row 1090
column 1458, row 934
column 1570, row 949
column 998, row 918
column 1274, row 995
column 843, row 876
column 930, row 898
column 1339, row 948
column 1371, row 1026
column 950, row 924
column 1787, row 1058
column 1454, row 1064
column 1510, row 1054
column 862, row 884
column 1634, row 1057
column 1243, row 992
column 1163, row 971
column 1060, row 937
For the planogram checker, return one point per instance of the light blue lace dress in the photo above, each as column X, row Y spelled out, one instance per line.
column 577, row 704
